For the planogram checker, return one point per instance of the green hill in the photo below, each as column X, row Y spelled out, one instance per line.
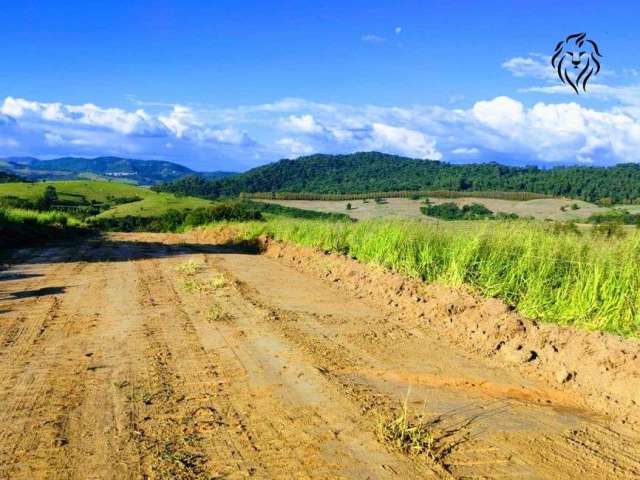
column 378, row 172
column 104, row 198
column 143, row 172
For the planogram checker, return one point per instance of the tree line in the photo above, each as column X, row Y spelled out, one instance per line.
column 368, row 172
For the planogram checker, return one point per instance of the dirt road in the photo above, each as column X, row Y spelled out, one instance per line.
column 132, row 357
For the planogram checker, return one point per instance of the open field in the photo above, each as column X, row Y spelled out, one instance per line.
column 99, row 191
column 549, row 208
column 113, row 366
column 154, row 205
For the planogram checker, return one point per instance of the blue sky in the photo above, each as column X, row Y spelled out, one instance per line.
column 230, row 85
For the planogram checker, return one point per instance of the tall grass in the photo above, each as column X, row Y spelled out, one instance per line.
column 22, row 227
column 22, row 216
column 564, row 278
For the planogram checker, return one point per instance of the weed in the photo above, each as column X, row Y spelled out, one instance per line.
column 189, row 268
column 219, row 281
column 408, row 433
column 217, row 314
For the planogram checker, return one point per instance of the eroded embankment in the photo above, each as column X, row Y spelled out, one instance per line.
column 598, row 370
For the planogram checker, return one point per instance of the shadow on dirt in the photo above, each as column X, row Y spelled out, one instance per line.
column 18, row 276
column 40, row 292
column 113, row 250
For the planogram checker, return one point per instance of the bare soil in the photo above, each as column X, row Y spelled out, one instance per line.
column 117, row 363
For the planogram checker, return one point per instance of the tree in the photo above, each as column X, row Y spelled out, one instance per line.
column 48, row 199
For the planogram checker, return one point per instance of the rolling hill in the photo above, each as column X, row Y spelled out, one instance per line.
column 96, row 197
column 377, row 172
column 142, row 172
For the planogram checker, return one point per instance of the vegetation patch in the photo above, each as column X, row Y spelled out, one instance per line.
column 409, row 433
column 25, row 227
column 451, row 211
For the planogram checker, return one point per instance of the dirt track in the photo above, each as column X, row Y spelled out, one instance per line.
column 111, row 368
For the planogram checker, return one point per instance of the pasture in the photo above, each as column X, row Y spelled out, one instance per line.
column 404, row 208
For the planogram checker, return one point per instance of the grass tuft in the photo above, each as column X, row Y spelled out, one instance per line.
column 408, row 433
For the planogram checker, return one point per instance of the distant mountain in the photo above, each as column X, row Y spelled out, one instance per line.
column 143, row 172
column 377, row 172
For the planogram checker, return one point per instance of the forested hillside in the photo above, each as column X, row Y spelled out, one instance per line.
column 378, row 172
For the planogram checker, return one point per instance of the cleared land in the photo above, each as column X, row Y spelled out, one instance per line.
column 167, row 356
column 410, row 209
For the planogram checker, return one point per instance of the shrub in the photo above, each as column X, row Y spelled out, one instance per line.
column 451, row 211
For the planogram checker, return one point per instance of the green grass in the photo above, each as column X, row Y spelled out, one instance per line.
column 581, row 280
column 98, row 191
column 25, row 227
column 154, row 205
column 18, row 215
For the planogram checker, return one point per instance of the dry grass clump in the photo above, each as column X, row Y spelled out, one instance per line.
column 217, row 314
column 189, row 268
column 408, row 433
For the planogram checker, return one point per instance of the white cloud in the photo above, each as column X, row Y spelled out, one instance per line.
column 116, row 119
column 628, row 95
column 210, row 138
column 398, row 30
column 534, row 67
column 371, row 38
column 303, row 123
column 293, row 147
column 180, row 120
column 404, row 140
column 465, row 151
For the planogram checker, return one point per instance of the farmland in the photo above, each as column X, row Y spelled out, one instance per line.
column 541, row 209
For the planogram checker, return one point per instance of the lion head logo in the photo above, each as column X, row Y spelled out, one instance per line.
column 576, row 60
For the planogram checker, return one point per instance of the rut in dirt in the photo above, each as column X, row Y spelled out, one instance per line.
column 117, row 361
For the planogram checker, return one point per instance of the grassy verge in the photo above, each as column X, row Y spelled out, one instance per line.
column 561, row 277
column 26, row 227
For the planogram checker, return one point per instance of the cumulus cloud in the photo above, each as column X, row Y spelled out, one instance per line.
column 39, row 128
column 303, row 123
column 210, row 138
column 403, row 140
column 294, row 148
